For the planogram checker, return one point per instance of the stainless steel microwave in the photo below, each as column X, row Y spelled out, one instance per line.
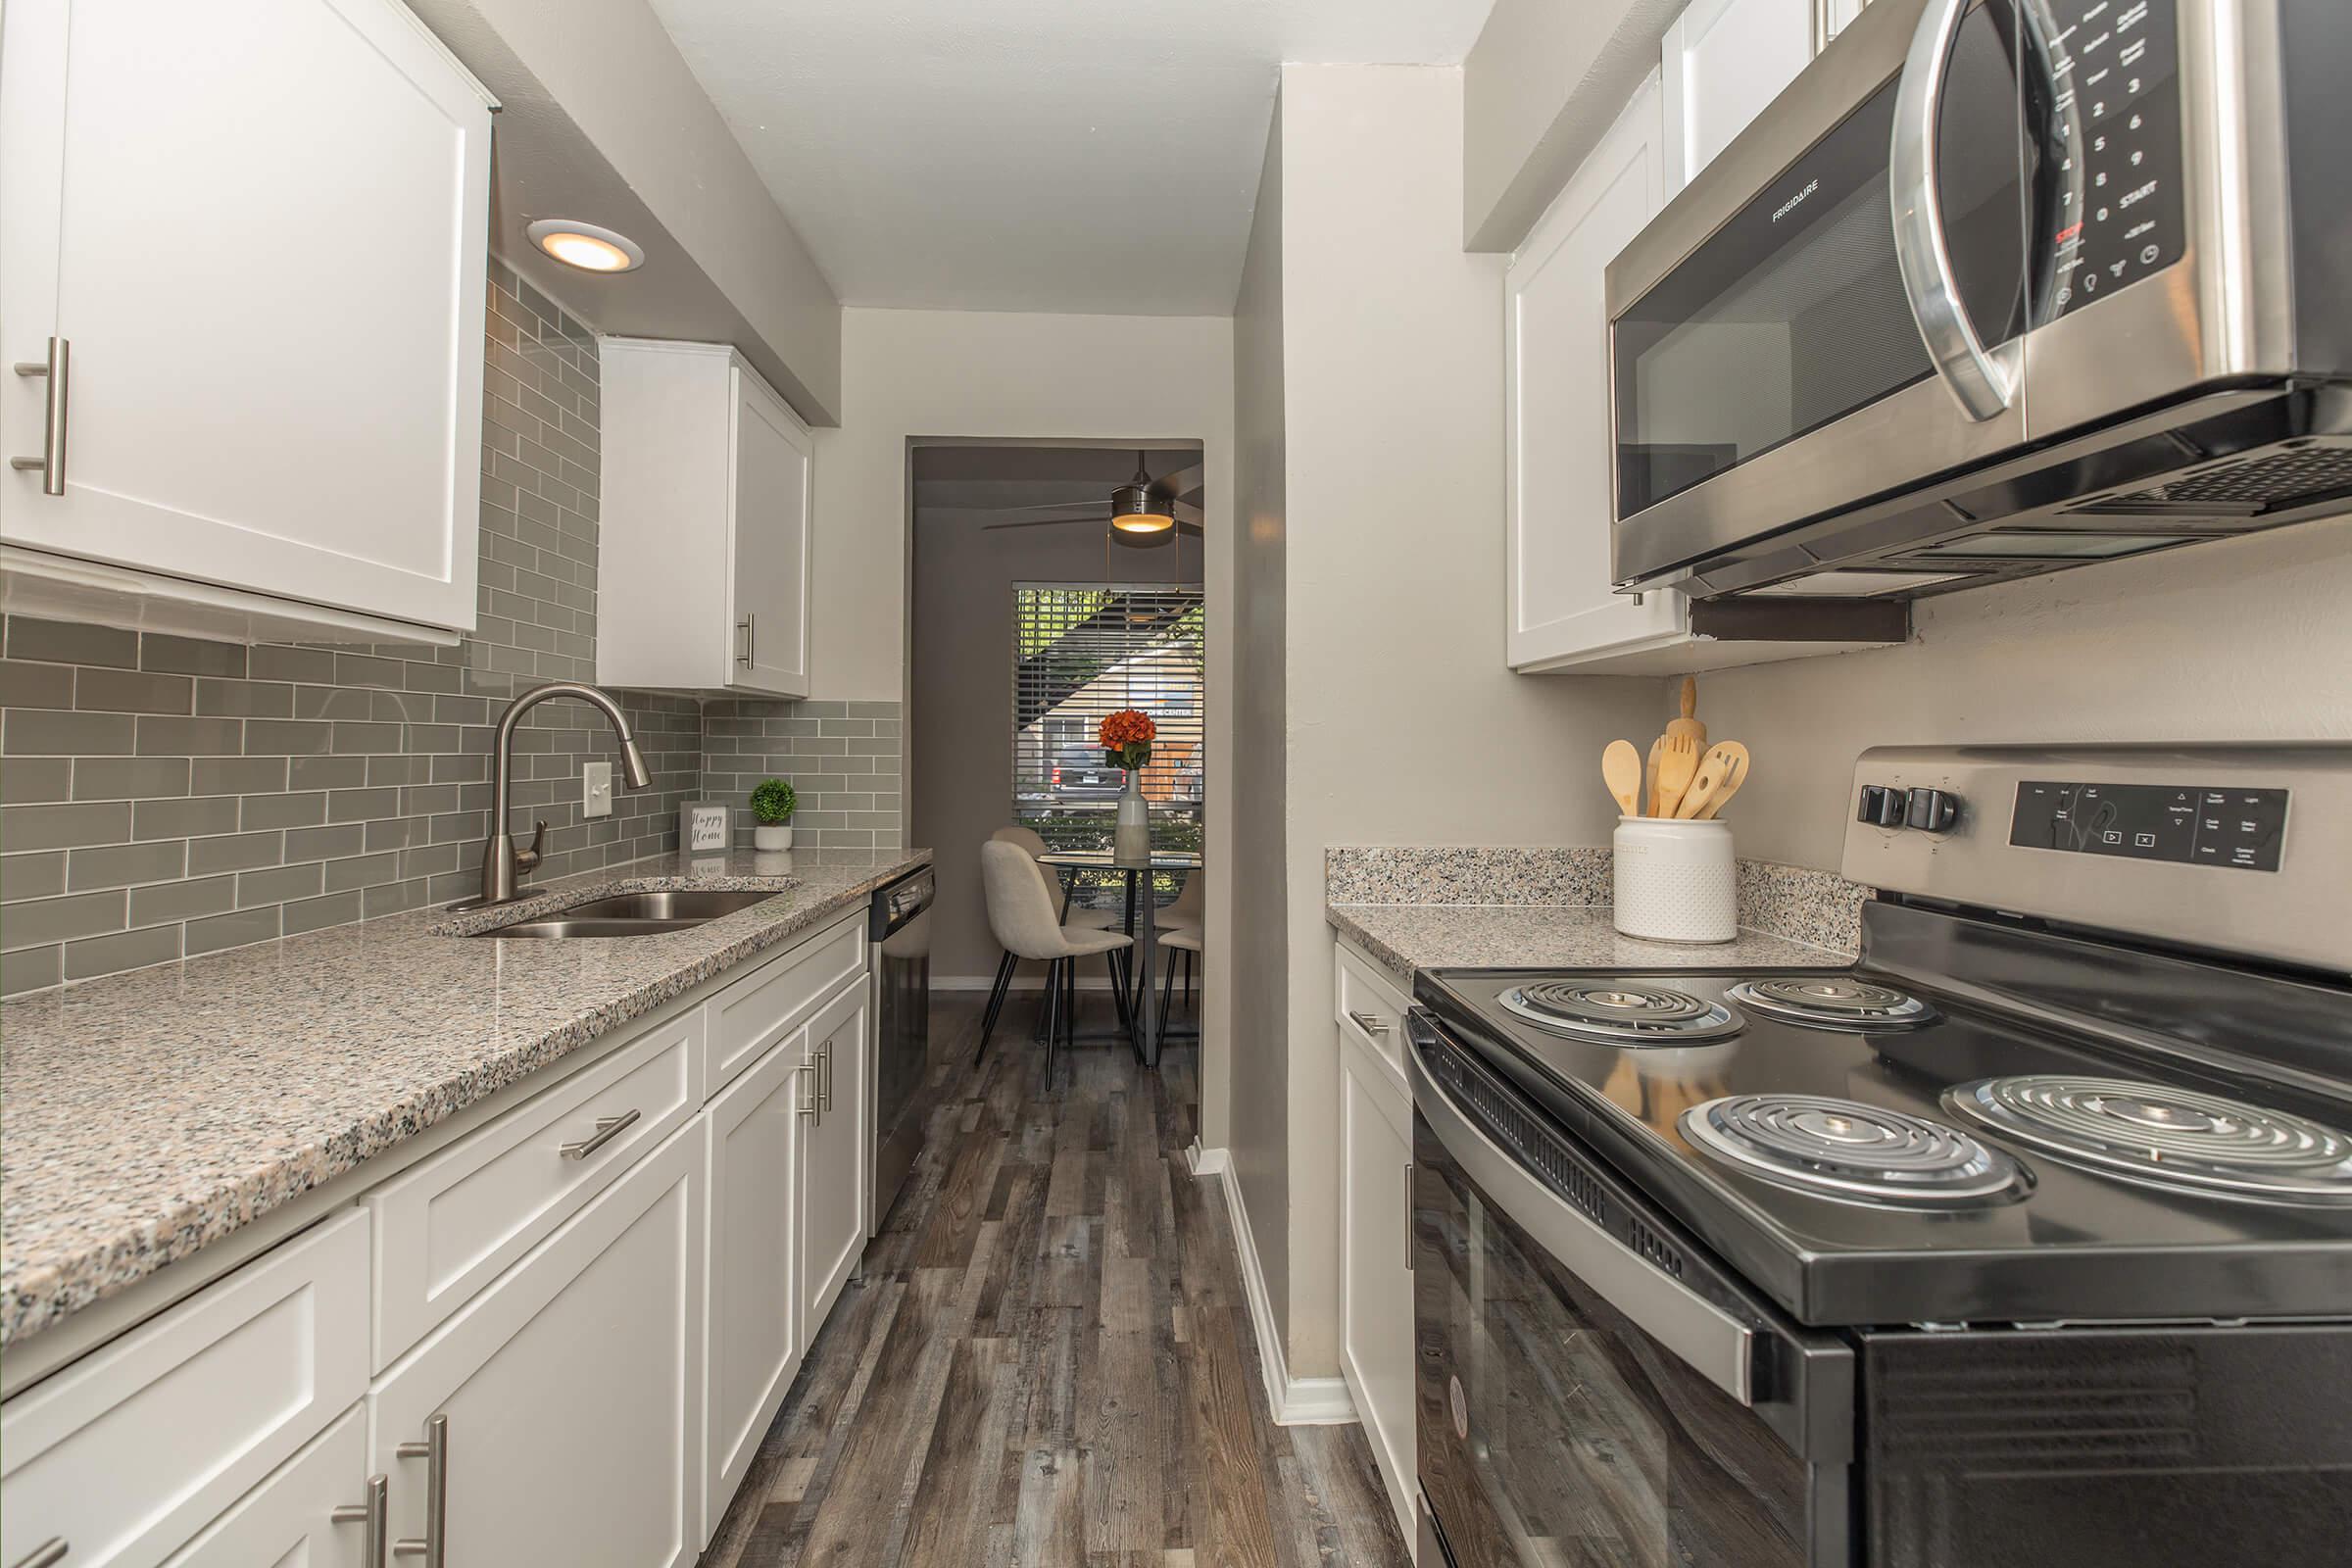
column 1996, row 288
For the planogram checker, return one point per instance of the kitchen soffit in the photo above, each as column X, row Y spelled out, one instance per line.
column 1043, row 155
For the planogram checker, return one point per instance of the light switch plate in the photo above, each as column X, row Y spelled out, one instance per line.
column 596, row 789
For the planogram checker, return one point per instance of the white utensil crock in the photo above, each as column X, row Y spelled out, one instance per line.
column 1675, row 881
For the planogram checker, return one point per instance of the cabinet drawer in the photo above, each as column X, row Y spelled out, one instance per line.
column 450, row 1225
column 753, row 1012
column 290, row 1518
column 1369, row 1005
column 130, row 1451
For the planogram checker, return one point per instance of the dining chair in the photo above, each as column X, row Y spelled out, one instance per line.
column 1021, row 914
column 1175, row 943
column 1187, row 914
column 1081, row 918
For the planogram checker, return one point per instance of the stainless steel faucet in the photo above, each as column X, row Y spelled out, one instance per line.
column 503, row 864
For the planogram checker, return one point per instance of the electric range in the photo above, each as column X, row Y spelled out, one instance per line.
column 2025, row 1237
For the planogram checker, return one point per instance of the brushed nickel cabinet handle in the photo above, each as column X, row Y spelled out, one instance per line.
column 375, row 1515
column 1370, row 1023
column 52, row 465
column 824, row 1081
column 434, row 1451
column 749, row 625
column 1408, row 1216
column 607, row 1128
column 50, row 1551
column 808, row 1072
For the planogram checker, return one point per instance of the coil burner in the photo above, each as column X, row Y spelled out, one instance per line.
column 1614, row 1012
column 2165, row 1137
column 1836, row 1001
column 1845, row 1149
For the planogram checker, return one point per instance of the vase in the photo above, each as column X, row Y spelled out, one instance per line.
column 772, row 836
column 1132, row 843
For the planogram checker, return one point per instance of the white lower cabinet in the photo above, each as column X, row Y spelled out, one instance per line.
column 835, row 1162
column 1376, row 1285
column 754, row 1345
column 587, row 1311
column 289, row 1521
column 126, row 1454
column 570, row 1392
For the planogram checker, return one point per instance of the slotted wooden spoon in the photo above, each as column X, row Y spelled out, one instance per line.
column 1715, row 770
column 1730, row 783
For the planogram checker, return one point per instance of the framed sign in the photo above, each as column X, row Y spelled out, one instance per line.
column 704, row 826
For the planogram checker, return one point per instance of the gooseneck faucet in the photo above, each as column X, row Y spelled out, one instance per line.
column 503, row 864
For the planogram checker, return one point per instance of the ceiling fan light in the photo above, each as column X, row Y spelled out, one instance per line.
column 1142, row 522
column 1134, row 508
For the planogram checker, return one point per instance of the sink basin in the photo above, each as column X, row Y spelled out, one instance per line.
column 637, row 914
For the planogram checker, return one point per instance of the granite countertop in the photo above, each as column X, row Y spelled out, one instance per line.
column 148, row 1114
column 1433, row 936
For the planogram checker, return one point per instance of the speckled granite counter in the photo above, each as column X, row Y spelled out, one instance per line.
column 147, row 1115
column 1407, row 936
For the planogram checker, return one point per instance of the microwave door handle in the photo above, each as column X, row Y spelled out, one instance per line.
column 1703, row 1336
column 1985, row 381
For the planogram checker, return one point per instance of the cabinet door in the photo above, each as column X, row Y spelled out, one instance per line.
column 262, row 227
column 289, row 1521
column 835, row 1166
column 754, row 1345
column 1376, row 1290
column 573, row 1389
column 1722, row 62
column 1559, row 485
column 768, row 525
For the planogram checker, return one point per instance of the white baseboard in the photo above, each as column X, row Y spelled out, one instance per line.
column 1207, row 1161
column 1292, row 1402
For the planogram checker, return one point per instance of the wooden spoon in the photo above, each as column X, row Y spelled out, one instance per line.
column 1677, row 763
column 1689, row 724
column 1649, row 777
column 1714, row 768
column 1729, row 785
column 1620, row 766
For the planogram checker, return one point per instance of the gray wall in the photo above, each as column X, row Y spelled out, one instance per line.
column 166, row 797
column 2247, row 640
column 962, row 676
column 1258, row 1095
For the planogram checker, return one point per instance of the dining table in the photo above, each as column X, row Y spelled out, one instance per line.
column 1140, row 923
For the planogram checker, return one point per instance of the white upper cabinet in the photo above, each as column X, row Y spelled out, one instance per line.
column 1722, row 62
column 253, row 233
column 1557, row 330
column 708, row 481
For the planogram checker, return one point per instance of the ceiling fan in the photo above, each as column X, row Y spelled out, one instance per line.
column 1144, row 512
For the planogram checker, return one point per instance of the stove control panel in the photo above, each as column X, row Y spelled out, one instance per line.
column 2191, row 824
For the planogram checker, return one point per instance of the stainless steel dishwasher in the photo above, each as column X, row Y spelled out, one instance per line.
column 900, row 931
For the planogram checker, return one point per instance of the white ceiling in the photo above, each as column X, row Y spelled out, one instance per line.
column 1075, row 156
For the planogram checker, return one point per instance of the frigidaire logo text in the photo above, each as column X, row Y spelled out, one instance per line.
column 1783, row 210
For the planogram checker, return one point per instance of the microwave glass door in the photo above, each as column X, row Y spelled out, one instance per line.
column 1793, row 313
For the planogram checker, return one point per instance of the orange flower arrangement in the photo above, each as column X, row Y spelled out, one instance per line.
column 1126, row 738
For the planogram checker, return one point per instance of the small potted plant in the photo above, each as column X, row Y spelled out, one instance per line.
column 1126, row 739
column 771, row 808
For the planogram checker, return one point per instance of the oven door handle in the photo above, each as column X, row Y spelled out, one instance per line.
column 1710, row 1340
column 1984, row 380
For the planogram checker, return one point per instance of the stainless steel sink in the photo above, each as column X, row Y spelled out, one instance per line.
column 637, row 914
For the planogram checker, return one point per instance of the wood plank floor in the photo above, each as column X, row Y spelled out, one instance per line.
column 1049, row 1359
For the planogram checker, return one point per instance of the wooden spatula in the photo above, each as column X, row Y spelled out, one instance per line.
column 1620, row 766
column 1715, row 769
column 1688, row 723
column 1678, row 762
column 1649, row 777
column 1730, row 784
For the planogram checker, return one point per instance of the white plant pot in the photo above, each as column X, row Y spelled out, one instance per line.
column 771, row 837
column 1674, row 880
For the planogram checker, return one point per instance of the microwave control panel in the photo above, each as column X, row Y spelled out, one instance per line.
column 2113, row 158
column 2188, row 823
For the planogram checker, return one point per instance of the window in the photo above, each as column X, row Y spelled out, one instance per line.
column 1081, row 651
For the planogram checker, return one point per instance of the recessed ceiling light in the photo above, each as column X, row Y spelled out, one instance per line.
column 586, row 246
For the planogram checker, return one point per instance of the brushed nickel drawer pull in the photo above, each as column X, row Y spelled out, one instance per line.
column 607, row 1128
column 49, row 1552
column 808, row 1072
column 824, row 1081
column 1371, row 1023
column 434, row 1451
column 58, row 367
column 375, row 1514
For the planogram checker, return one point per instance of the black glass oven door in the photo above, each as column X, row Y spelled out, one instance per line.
column 1590, row 1389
